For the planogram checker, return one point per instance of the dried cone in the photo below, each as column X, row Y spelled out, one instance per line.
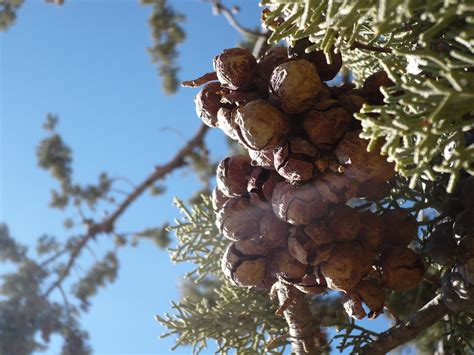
column 261, row 125
column 372, row 86
column 326, row 128
column 352, row 103
column 235, row 68
column 336, row 188
column 464, row 224
column 310, row 284
column 402, row 268
column 207, row 103
column 456, row 291
column 319, row 232
column 440, row 245
column 263, row 158
column 260, row 187
column 344, row 269
column 233, row 174
column 298, row 204
column 238, row 219
column 326, row 70
column 273, row 232
column 369, row 292
column 373, row 191
column 372, row 294
column 399, row 227
column 360, row 164
column 218, row 199
column 295, row 84
column 272, row 58
column 344, row 223
column 352, row 304
column 305, row 250
column 338, row 91
column 286, row 267
column 239, row 98
column 295, row 160
column 226, row 122
column 371, row 234
column 244, row 263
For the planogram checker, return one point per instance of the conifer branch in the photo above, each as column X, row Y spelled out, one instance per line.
column 407, row 330
column 296, row 310
column 107, row 225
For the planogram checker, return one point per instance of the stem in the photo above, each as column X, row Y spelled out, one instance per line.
column 407, row 330
column 369, row 47
column 200, row 81
column 303, row 336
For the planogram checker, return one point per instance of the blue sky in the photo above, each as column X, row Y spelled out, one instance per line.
column 87, row 62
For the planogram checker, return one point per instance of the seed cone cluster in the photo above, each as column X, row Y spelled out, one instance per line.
column 451, row 244
column 283, row 207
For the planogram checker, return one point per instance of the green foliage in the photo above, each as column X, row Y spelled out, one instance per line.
column 198, row 239
column 351, row 336
column 167, row 34
column 8, row 9
column 159, row 235
column 98, row 275
column 238, row 319
column 53, row 154
column 10, row 250
column 427, row 50
column 27, row 318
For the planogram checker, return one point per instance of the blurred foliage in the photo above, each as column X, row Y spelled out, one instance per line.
column 8, row 10
column 167, row 34
column 27, row 318
column 29, row 309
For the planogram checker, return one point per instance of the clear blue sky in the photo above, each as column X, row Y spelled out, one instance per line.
column 87, row 62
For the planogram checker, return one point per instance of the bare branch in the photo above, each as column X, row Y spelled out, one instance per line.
column 221, row 9
column 407, row 330
column 107, row 225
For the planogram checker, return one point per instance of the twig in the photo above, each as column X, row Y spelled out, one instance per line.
column 52, row 258
column 107, row 225
column 200, row 81
column 221, row 9
column 302, row 334
column 66, row 302
column 369, row 47
column 276, row 342
column 408, row 329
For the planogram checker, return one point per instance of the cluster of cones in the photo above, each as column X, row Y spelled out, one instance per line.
column 284, row 207
column 451, row 244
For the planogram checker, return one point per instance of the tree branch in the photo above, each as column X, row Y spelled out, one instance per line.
column 221, row 9
column 408, row 329
column 107, row 225
column 296, row 310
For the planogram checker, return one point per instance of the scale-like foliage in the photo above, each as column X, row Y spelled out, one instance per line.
column 426, row 47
